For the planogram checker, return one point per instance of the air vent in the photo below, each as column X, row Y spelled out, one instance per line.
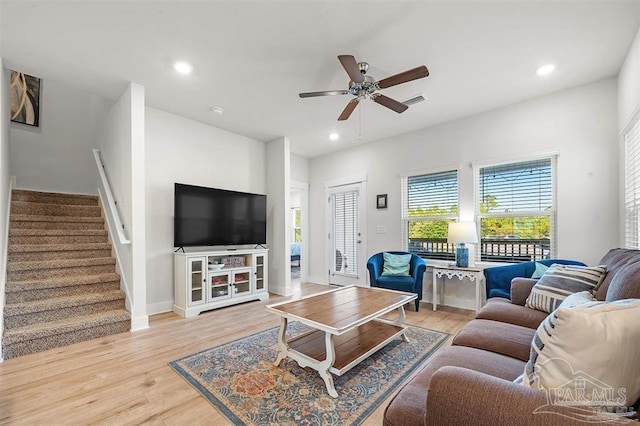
column 414, row 100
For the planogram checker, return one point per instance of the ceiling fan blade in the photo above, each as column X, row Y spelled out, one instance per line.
column 325, row 93
column 390, row 103
column 403, row 77
column 349, row 109
column 351, row 67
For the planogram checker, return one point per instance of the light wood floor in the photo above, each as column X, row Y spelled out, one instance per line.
column 125, row 379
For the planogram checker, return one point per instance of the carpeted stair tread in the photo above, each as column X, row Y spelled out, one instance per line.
column 50, row 218
column 59, row 263
column 28, row 207
column 51, row 232
column 31, row 248
column 41, row 330
column 12, row 309
column 56, row 282
column 53, row 197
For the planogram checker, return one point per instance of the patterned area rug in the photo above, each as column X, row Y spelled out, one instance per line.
column 240, row 380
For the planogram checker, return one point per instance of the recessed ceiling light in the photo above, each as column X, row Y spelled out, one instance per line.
column 217, row 110
column 546, row 69
column 334, row 136
column 183, row 67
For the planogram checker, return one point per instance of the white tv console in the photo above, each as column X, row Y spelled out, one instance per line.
column 199, row 285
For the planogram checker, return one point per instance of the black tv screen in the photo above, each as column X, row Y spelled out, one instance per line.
column 218, row 217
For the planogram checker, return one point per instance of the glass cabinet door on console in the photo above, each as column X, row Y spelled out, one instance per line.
column 241, row 281
column 197, row 278
column 260, row 272
column 218, row 285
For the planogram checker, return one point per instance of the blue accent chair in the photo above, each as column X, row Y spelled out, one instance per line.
column 411, row 284
column 498, row 278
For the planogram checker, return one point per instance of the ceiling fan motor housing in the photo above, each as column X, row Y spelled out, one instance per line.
column 364, row 89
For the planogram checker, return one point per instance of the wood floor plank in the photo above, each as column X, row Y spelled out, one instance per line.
column 125, row 379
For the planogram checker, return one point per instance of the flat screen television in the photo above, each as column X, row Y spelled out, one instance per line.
column 218, row 217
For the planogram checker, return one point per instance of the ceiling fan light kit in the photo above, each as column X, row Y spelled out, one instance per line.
column 363, row 86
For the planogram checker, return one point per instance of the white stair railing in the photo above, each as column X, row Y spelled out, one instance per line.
column 111, row 206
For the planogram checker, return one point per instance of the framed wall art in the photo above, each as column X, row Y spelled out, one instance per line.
column 381, row 201
column 25, row 99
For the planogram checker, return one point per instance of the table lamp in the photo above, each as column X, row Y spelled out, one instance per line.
column 460, row 233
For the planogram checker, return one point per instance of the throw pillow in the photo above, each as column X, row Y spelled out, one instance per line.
column 541, row 268
column 577, row 299
column 560, row 281
column 588, row 354
column 396, row 264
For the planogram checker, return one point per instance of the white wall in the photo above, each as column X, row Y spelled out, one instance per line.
column 279, row 215
column 578, row 123
column 57, row 156
column 4, row 183
column 299, row 168
column 629, row 84
column 122, row 144
column 185, row 151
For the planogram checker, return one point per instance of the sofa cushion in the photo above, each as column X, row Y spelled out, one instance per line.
column 595, row 345
column 504, row 311
column 396, row 264
column 560, row 281
column 615, row 260
column 625, row 284
column 393, row 282
column 409, row 406
column 499, row 337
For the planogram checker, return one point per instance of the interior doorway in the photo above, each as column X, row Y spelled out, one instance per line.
column 299, row 234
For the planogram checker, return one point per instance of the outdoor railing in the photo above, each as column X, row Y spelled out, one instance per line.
column 510, row 250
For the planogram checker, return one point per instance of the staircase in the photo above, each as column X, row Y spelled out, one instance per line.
column 62, row 287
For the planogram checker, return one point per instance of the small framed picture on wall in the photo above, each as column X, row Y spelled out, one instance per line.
column 381, row 201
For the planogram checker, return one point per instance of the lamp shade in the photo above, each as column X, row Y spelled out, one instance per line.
column 462, row 232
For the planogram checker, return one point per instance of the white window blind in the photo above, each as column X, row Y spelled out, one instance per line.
column 632, row 183
column 345, row 220
column 516, row 211
column 429, row 203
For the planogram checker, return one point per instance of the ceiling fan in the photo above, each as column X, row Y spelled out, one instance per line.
column 363, row 86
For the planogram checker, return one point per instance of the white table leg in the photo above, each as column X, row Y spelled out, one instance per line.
column 400, row 322
column 282, row 342
column 324, row 366
column 434, row 295
column 479, row 291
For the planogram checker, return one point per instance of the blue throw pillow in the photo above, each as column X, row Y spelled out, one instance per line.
column 396, row 264
column 541, row 268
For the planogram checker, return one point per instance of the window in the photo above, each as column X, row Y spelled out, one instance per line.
column 430, row 202
column 516, row 211
column 631, row 137
column 296, row 235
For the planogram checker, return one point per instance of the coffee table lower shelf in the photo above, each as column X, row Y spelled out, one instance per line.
column 350, row 348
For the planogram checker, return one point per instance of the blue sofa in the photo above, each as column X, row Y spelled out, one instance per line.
column 411, row 284
column 498, row 278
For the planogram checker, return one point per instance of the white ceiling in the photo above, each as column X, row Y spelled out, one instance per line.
column 253, row 57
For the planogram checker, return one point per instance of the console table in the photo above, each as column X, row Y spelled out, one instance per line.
column 472, row 274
